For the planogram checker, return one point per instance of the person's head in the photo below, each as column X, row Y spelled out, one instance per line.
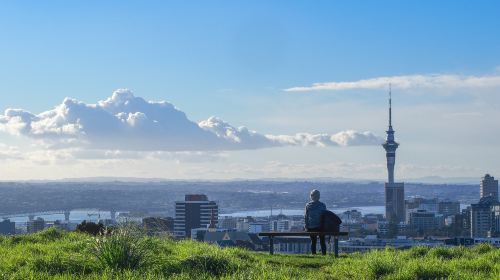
column 314, row 195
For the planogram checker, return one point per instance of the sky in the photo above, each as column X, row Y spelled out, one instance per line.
column 248, row 89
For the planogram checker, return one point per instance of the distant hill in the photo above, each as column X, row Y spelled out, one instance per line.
column 423, row 180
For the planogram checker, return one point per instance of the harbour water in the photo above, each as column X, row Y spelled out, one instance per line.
column 379, row 209
column 75, row 216
column 297, row 212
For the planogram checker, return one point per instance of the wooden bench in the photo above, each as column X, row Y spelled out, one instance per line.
column 335, row 236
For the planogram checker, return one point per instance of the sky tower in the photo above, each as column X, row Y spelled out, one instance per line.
column 390, row 145
column 394, row 192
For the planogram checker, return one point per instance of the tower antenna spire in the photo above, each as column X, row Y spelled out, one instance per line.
column 390, row 105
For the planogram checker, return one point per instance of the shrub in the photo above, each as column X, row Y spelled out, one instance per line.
column 431, row 270
column 208, row 264
column 51, row 234
column 427, row 268
column 91, row 228
column 418, row 252
column 483, row 248
column 48, row 235
column 441, row 253
column 380, row 267
column 124, row 248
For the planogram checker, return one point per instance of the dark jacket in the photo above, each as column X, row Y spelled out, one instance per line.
column 313, row 214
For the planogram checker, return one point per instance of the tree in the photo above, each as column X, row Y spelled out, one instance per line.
column 91, row 228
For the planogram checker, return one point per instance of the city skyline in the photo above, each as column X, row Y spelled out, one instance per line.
column 310, row 80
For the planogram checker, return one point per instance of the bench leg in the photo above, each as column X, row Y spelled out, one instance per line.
column 271, row 245
column 336, row 246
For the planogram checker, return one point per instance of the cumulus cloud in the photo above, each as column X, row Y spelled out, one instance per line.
column 434, row 81
column 343, row 138
column 236, row 138
column 124, row 122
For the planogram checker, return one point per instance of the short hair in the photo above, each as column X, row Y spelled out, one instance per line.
column 315, row 195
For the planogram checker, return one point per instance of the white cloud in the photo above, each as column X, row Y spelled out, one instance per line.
column 236, row 138
column 124, row 122
column 437, row 81
column 9, row 152
column 343, row 138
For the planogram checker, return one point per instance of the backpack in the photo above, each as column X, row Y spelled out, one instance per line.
column 330, row 222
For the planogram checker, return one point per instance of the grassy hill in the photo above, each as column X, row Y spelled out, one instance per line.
column 53, row 254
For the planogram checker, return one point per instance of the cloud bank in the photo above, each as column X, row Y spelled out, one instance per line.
column 126, row 122
column 430, row 81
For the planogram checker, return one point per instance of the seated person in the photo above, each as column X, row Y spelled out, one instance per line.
column 314, row 209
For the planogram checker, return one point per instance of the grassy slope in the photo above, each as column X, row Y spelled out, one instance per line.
column 55, row 255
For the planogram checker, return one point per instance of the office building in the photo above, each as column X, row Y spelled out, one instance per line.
column 495, row 232
column 489, row 187
column 281, row 225
column 130, row 218
column 7, row 227
column 465, row 218
column 446, row 208
column 256, row 227
column 422, row 221
column 385, row 228
column 35, row 225
column 351, row 216
column 394, row 192
column 449, row 208
column 242, row 224
column 482, row 217
column 228, row 222
column 196, row 211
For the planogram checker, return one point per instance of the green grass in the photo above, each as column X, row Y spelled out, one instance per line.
column 53, row 254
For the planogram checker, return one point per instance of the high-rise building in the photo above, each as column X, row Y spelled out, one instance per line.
column 482, row 217
column 7, row 227
column 465, row 219
column 423, row 220
column 394, row 192
column 495, row 226
column 489, row 187
column 35, row 225
column 196, row 211
column 449, row 208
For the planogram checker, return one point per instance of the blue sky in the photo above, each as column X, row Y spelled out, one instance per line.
column 234, row 59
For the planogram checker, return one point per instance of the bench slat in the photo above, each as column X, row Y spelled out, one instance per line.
column 335, row 235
